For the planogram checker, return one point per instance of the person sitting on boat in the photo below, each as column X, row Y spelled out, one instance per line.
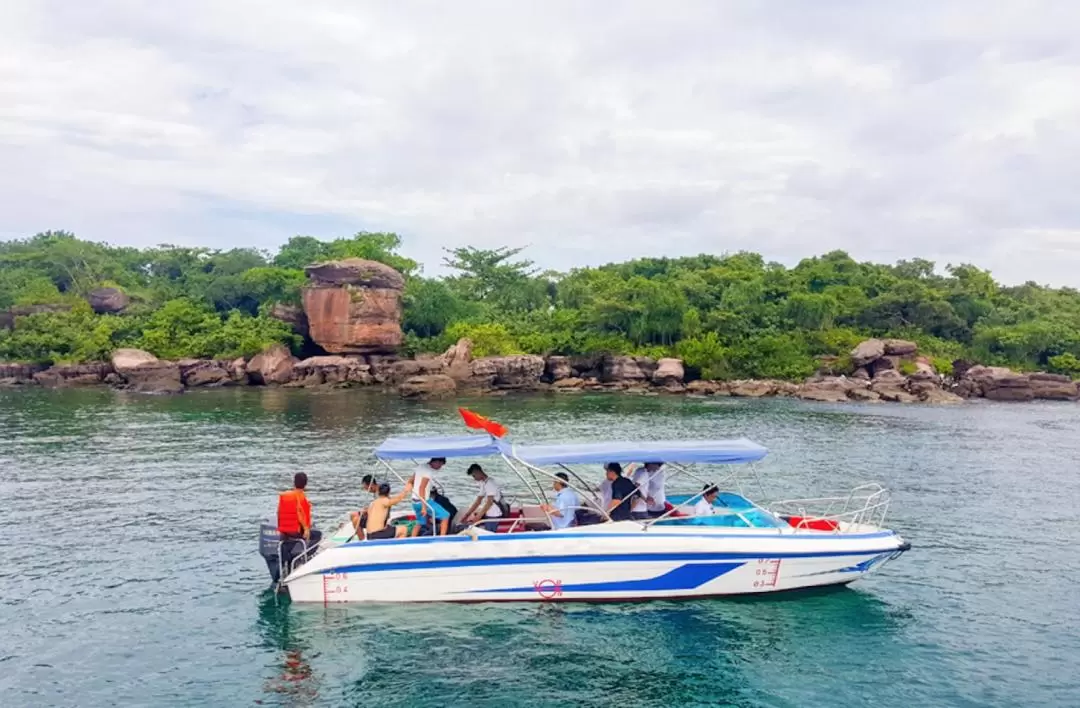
column 656, row 499
column 623, row 492
column 564, row 510
column 488, row 502
column 370, row 485
column 294, row 520
column 376, row 518
column 704, row 505
column 427, row 509
column 639, row 510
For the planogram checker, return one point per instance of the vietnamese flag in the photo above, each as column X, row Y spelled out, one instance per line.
column 479, row 422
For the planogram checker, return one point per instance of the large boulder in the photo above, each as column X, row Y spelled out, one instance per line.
column 144, row 373
column 291, row 315
column 900, row 347
column 621, row 369
column 922, row 382
column 867, row 351
column 557, row 368
column 66, row 375
column 1053, row 387
column 427, row 386
column 508, row 372
column 353, row 306
column 209, row 373
column 458, row 359
column 668, row 372
column 340, row 371
column 998, row 383
column 108, row 300
column 273, row 366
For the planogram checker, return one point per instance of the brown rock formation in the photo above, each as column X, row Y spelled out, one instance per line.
column 868, row 351
column 617, row 369
column 19, row 374
column 339, row 371
column 429, row 386
column 706, row 388
column 108, row 300
column 458, row 359
column 570, row 383
column 273, row 366
column 558, row 368
column 63, row 376
column 1053, row 387
column 291, row 315
column 197, row 373
column 353, row 306
column 998, row 383
column 752, row 388
column 900, row 347
column 668, row 372
column 508, row 372
column 145, row 373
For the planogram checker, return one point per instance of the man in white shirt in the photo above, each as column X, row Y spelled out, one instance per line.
column 657, row 496
column 487, row 502
column 704, row 505
column 639, row 509
column 428, row 511
column 564, row 510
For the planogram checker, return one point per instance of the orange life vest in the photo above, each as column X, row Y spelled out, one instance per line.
column 293, row 512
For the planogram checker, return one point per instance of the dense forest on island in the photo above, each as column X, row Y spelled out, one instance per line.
column 727, row 316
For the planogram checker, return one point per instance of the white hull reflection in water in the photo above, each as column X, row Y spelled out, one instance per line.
column 735, row 547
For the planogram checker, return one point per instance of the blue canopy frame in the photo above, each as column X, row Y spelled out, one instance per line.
column 677, row 451
column 428, row 447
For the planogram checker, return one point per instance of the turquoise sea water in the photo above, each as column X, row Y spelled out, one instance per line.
column 130, row 573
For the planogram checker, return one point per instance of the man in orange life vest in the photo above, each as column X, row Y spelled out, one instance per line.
column 294, row 517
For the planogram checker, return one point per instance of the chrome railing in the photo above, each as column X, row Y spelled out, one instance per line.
column 866, row 504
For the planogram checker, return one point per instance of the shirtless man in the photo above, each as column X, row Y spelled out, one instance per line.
column 378, row 514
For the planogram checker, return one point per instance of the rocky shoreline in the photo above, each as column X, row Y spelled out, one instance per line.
column 877, row 378
column 351, row 317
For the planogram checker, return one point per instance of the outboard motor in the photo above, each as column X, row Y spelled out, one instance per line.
column 269, row 540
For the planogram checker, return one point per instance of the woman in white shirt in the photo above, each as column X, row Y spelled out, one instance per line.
column 704, row 505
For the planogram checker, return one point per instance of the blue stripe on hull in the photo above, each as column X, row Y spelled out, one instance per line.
column 586, row 558
column 685, row 577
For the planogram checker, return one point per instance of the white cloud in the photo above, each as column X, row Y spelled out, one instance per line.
column 593, row 131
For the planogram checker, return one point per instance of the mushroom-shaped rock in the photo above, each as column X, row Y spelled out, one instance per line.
column 867, row 351
column 353, row 306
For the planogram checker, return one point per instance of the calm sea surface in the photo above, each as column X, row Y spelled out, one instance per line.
column 130, row 572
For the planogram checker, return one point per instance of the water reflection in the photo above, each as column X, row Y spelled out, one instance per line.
column 662, row 653
column 294, row 677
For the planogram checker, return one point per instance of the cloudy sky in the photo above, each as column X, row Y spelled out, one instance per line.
column 591, row 131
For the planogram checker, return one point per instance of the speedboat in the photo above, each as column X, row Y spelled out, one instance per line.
column 742, row 548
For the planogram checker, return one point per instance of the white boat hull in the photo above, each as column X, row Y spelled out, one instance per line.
column 612, row 562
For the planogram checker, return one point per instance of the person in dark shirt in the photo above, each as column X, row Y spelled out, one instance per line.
column 622, row 492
